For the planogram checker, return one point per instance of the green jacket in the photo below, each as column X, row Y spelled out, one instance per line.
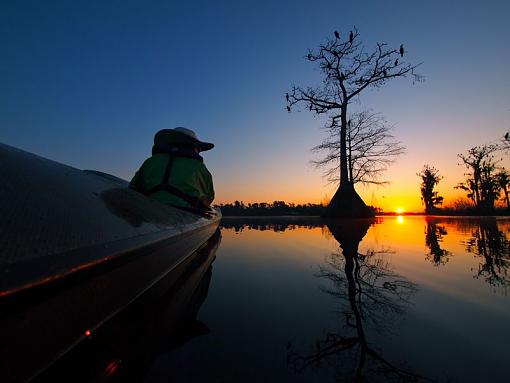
column 188, row 175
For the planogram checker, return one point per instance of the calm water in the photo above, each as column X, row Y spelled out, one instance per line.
column 400, row 299
column 303, row 300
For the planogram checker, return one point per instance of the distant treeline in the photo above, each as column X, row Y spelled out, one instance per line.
column 277, row 208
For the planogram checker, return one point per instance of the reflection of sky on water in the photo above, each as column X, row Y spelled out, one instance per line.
column 269, row 302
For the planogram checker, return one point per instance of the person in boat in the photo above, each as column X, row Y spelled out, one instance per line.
column 175, row 174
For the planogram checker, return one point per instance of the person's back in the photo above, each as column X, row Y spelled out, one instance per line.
column 176, row 174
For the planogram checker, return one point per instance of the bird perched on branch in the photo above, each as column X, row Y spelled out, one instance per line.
column 385, row 73
column 288, row 109
column 396, row 62
column 351, row 36
column 337, row 35
column 287, row 96
column 309, row 56
column 401, row 50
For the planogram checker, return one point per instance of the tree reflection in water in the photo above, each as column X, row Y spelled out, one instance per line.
column 276, row 224
column 372, row 296
column 491, row 244
column 434, row 234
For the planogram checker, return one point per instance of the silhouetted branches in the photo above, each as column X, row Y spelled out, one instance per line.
column 429, row 179
column 370, row 292
column 348, row 68
column 433, row 236
column 505, row 142
column 503, row 180
column 371, row 148
column 492, row 245
column 481, row 185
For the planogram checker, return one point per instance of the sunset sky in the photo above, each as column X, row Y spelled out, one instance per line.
column 88, row 83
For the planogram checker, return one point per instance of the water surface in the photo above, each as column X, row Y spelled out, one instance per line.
column 394, row 299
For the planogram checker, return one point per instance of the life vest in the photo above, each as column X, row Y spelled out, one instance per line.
column 165, row 186
column 174, row 176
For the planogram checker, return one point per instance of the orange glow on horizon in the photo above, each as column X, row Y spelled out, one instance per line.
column 403, row 191
column 293, row 182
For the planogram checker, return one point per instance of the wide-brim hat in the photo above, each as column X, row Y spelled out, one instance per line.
column 180, row 136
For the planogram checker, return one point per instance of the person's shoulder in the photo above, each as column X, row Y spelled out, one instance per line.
column 156, row 160
column 204, row 170
column 159, row 157
column 197, row 164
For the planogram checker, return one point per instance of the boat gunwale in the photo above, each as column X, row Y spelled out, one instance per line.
column 105, row 256
column 84, row 336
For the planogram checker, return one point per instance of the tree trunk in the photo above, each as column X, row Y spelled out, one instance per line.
column 344, row 175
column 428, row 206
column 346, row 203
column 349, row 158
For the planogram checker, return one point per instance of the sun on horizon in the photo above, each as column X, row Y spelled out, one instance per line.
column 399, row 210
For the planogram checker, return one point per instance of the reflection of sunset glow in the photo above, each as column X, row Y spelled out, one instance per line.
column 400, row 219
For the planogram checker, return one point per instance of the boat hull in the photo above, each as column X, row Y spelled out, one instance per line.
column 77, row 247
column 127, row 347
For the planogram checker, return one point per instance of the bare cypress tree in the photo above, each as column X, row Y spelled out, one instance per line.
column 348, row 69
column 371, row 149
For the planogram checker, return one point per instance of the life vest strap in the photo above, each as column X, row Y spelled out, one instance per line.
column 165, row 186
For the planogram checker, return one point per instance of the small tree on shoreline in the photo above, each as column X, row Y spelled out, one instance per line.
column 429, row 179
column 503, row 180
column 481, row 184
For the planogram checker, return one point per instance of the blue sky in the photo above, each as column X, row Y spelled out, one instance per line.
column 88, row 84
